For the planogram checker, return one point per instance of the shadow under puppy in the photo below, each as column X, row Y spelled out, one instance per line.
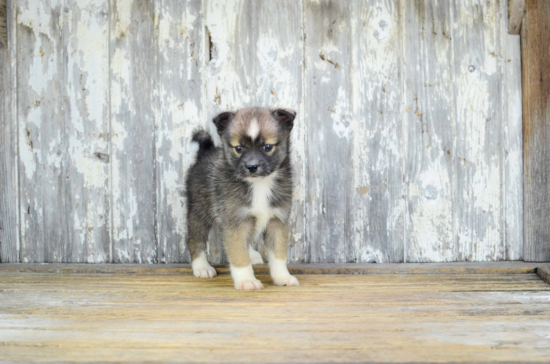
column 245, row 186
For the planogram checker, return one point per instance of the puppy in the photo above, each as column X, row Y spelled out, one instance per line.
column 245, row 186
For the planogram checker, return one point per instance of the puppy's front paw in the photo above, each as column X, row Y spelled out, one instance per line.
column 286, row 280
column 249, row 285
column 206, row 272
column 255, row 257
column 201, row 268
column 244, row 278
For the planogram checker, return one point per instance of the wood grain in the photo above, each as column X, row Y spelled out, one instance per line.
column 41, row 67
column 535, row 61
column 378, row 192
column 9, row 190
column 429, row 115
column 63, row 131
column 327, row 106
column 479, row 130
column 544, row 274
column 516, row 10
column 133, row 145
column 86, row 149
column 178, row 109
column 390, row 318
column 3, row 25
column 512, row 146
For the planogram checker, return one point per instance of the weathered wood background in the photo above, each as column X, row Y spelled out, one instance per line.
column 407, row 147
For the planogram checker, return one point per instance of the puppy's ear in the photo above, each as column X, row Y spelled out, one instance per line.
column 285, row 117
column 222, row 121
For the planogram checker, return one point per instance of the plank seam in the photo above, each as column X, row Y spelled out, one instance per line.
column 111, row 232
column 12, row 18
column 454, row 167
column 342, row 269
column 155, row 85
column 155, row 134
column 305, row 171
column 503, row 138
column 405, row 178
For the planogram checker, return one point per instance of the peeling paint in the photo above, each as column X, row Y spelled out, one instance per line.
column 406, row 146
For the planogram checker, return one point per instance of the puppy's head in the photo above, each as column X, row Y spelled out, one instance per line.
column 255, row 141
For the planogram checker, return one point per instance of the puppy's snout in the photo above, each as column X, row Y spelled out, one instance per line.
column 252, row 167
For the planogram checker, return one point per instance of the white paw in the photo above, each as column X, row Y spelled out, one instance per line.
column 286, row 281
column 255, row 257
column 244, row 279
column 207, row 272
column 249, row 285
column 201, row 268
column 279, row 272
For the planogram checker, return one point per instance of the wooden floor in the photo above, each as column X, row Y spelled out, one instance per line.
column 491, row 315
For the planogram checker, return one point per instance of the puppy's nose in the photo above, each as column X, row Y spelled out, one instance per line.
column 252, row 167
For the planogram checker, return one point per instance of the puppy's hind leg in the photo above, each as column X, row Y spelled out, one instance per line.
column 197, row 235
column 255, row 256
column 276, row 240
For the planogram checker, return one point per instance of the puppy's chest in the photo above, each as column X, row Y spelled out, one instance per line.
column 260, row 207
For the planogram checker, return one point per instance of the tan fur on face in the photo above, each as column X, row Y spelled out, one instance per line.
column 236, row 243
column 248, row 121
column 276, row 238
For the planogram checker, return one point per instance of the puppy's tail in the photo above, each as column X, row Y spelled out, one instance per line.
column 204, row 139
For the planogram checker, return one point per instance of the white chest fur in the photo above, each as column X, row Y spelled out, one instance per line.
column 262, row 191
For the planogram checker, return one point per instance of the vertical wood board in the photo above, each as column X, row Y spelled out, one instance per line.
column 178, row 110
column 378, row 190
column 478, row 110
column 9, row 193
column 430, row 124
column 134, row 193
column 327, row 103
column 85, row 156
column 512, row 146
column 535, row 60
column 41, row 51
column 63, row 131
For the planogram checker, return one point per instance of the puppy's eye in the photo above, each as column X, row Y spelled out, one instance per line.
column 268, row 147
column 239, row 149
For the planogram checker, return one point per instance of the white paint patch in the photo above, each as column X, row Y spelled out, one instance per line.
column 201, row 267
column 55, row 156
column 431, row 240
column 27, row 154
column 164, row 27
column 123, row 256
column 368, row 255
column 279, row 272
column 254, row 129
column 297, row 236
column 123, row 17
column 341, row 115
column 244, row 279
column 38, row 19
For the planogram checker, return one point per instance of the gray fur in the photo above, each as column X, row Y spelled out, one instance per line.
column 218, row 187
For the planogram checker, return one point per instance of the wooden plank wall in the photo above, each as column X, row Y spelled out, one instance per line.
column 407, row 145
column 535, row 38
